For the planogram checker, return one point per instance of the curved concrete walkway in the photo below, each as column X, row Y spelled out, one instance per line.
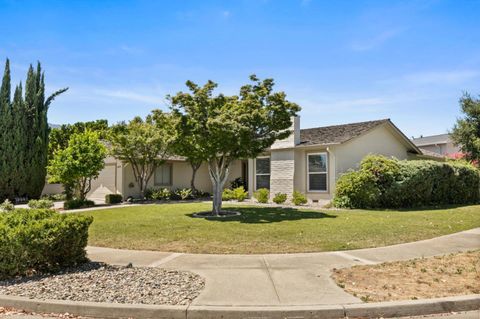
column 282, row 279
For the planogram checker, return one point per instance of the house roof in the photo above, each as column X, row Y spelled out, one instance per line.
column 430, row 153
column 431, row 140
column 336, row 134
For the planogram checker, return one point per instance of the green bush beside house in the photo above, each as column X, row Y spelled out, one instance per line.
column 389, row 183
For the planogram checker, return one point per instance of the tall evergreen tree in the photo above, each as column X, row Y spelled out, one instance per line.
column 24, row 130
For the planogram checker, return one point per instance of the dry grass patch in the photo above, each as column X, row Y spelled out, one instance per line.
column 434, row 277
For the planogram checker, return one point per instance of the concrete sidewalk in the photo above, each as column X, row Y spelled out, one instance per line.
column 282, row 279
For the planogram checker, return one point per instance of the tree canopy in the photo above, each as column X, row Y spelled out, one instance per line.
column 60, row 136
column 227, row 128
column 144, row 144
column 466, row 132
column 76, row 165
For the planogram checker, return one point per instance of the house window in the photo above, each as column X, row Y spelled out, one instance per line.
column 262, row 172
column 317, row 171
column 163, row 175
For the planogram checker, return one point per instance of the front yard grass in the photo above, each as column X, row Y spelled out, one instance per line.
column 170, row 227
column 434, row 277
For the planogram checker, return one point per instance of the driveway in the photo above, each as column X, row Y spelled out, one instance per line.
column 282, row 279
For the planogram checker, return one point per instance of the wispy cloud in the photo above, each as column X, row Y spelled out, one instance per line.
column 442, row 77
column 131, row 95
column 377, row 40
column 226, row 14
column 130, row 49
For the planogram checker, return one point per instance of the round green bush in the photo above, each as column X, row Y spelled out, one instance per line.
column 41, row 240
column 262, row 195
column 356, row 189
column 280, row 198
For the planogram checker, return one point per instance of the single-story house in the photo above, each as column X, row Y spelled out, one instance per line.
column 309, row 161
column 441, row 144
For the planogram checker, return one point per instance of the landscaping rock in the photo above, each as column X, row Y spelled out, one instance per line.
column 98, row 282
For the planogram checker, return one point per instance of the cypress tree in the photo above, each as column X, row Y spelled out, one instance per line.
column 24, row 135
column 5, row 134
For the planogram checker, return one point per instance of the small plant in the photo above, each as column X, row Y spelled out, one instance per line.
column 280, row 198
column 184, row 193
column 365, row 298
column 40, row 203
column 237, row 182
column 227, row 194
column 113, row 198
column 298, row 198
column 262, row 195
column 7, row 206
column 240, row 194
column 77, row 203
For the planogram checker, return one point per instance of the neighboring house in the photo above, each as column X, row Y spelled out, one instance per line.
column 309, row 161
column 440, row 144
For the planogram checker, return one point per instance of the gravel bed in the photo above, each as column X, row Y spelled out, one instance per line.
column 98, row 282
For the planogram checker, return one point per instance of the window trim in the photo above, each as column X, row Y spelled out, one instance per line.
column 171, row 175
column 262, row 174
column 318, row 173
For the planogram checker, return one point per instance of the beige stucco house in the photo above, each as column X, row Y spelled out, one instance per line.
column 309, row 161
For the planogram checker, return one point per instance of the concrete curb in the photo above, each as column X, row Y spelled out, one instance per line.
column 371, row 310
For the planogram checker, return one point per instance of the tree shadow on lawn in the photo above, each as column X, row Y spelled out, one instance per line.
column 266, row 215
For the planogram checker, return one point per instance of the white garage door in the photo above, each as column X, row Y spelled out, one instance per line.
column 104, row 184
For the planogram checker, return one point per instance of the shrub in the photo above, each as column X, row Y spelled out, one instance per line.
column 239, row 193
column 262, row 195
column 40, row 203
column 280, row 198
column 158, row 194
column 113, row 198
column 55, row 197
column 59, row 240
column 7, row 206
column 356, row 189
column 237, row 182
column 298, row 198
column 184, row 193
column 77, row 203
column 390, row 183
column 227, row 194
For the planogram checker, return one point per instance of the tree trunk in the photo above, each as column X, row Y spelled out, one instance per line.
column 195, row 168
column 218, row 170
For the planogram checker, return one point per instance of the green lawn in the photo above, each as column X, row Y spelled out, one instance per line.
column 170, row 227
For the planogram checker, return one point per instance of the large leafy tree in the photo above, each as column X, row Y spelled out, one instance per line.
column 186, row 145
column 79, row 163
column 24, row 134
column 60, row 136
column 233, row 127
column 466, row 132
column 144, row 144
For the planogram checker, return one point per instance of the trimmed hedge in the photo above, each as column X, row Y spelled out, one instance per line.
column 78, row 203
column 40, row 240
column 113, row 198
column 390, row 183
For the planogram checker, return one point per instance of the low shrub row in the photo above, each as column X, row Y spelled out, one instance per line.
column 262, row 195
column 390, row 183
column 40, row 203
column 77, row 203
column 39, row 240
column 177, row 194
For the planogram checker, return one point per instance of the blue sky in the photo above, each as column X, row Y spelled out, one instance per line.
column 342, row 61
